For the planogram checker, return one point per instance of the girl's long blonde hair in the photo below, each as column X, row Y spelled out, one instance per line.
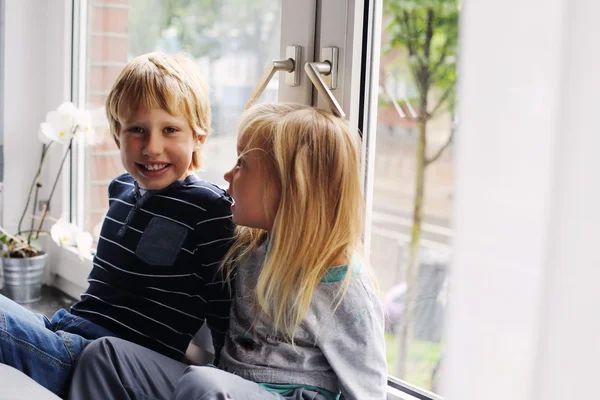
column 312, row 159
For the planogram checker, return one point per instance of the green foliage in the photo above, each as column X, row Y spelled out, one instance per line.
column 422, row 359
column 19, row 246
column 428, row 31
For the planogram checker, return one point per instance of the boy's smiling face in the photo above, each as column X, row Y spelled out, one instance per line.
column 156, row 147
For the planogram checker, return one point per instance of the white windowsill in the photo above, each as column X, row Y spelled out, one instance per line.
column 68, row 270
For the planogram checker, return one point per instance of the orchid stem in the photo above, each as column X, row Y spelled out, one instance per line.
column 35, row 199
column 47, row 204
column 45, row 148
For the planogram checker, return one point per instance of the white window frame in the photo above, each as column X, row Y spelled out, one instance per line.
column 298, row 25
column 78, row 92
column 69, row 271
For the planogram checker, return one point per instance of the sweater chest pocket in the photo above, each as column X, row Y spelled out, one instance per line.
column 161, row 242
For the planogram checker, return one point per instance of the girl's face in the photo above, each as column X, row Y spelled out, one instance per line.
column 251, row 187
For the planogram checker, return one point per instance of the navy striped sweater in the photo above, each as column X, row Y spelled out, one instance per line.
column 155, row 277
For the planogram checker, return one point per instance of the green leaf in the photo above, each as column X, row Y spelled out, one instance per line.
column 35, row 243
column 426, row 30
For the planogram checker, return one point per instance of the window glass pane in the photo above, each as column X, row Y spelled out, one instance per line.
column 413, row 184
column 231, row 40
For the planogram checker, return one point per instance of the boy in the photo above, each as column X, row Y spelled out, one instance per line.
column 156, row 276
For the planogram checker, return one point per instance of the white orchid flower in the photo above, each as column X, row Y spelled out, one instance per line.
column 63, row 233
column 59, row 125
column 66, row 122
column 100, row 125
column 83, row 120
column 67, row 234
column 84, row 241
column 47, row 133
column 87, row 130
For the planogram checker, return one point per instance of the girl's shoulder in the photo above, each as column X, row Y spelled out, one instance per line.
column 346, row 305
column 348, row 292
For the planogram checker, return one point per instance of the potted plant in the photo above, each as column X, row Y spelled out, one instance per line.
column 23, row 260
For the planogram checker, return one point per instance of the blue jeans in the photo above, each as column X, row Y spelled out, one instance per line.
column 44, row 349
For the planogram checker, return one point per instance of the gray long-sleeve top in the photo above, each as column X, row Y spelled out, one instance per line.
column 339, row 350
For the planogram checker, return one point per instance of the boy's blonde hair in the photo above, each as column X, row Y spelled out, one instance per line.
column 313, row 159
column 169, row 82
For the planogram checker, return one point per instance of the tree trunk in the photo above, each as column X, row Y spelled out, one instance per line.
column 413, row 266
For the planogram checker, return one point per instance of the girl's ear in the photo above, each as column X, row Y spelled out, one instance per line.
column 199, row 139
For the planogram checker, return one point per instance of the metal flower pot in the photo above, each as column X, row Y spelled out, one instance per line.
column 23, row 277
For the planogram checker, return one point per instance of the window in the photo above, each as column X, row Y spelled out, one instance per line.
column 233, row 41
column 413, row 182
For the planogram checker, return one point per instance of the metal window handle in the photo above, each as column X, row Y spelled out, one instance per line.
column 288, row 65
column 327, row 68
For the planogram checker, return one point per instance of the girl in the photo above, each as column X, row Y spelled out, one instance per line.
column 305, row 323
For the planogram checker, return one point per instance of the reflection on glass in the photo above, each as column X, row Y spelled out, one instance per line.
column 411, row 239
column 232, row 41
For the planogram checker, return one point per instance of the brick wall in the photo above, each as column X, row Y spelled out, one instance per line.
column 106, row 55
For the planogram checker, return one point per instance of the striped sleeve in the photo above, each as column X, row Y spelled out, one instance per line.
column 215, row 236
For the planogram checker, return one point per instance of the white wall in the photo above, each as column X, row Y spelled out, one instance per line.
column 36, row 80
column 524, row 320
column 35, row 71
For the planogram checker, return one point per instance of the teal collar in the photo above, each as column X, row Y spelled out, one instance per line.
column 333, row 274
column 338, row 273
